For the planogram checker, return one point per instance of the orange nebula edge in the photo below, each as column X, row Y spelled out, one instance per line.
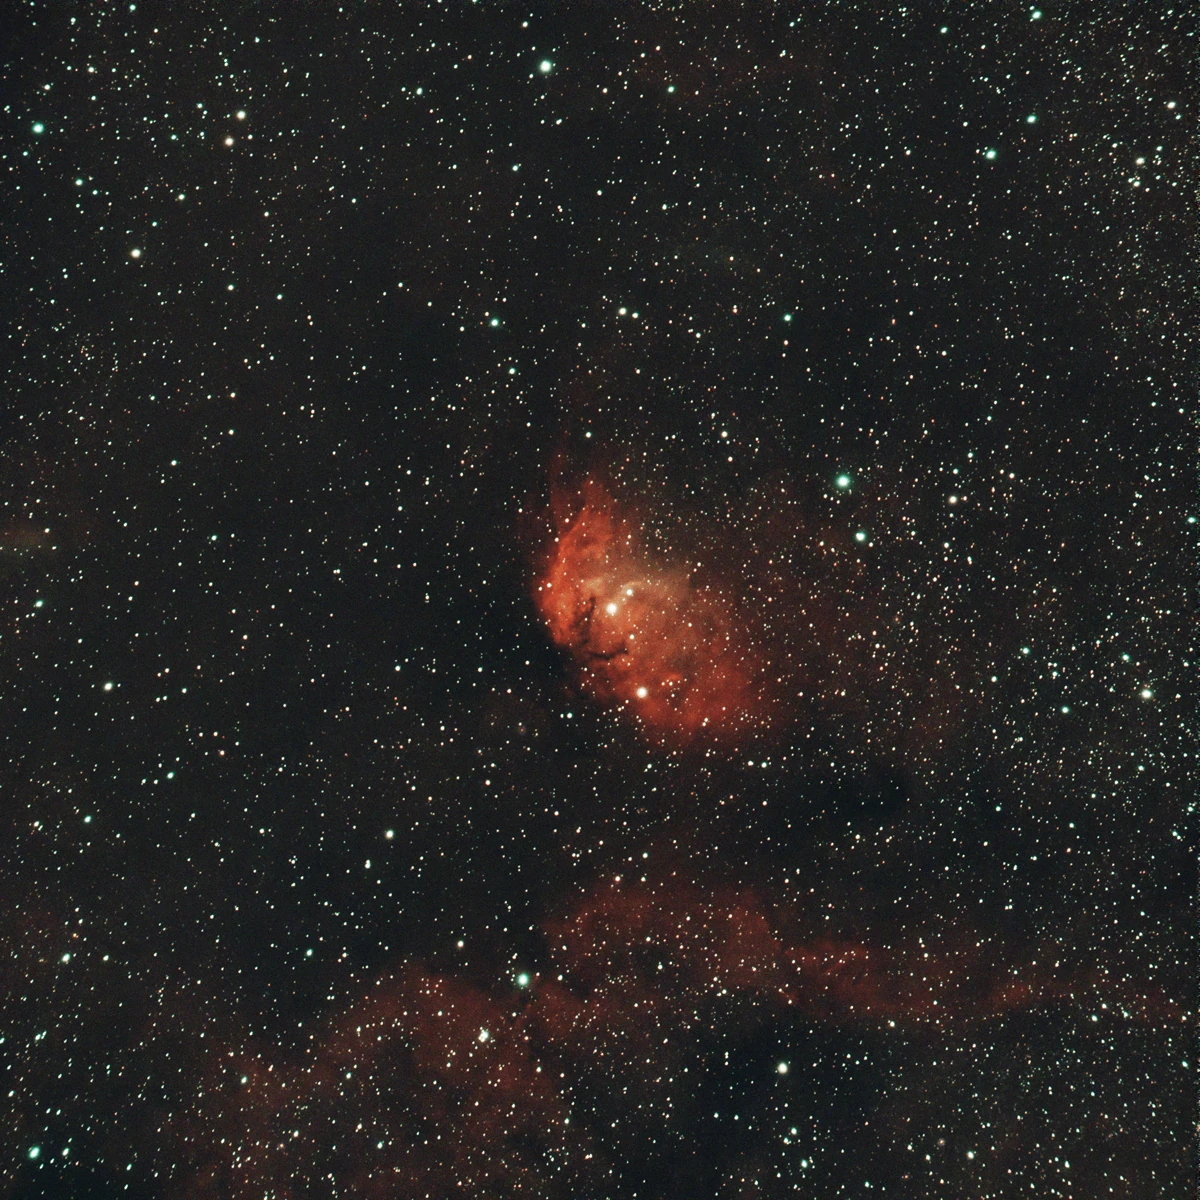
column 641, row 634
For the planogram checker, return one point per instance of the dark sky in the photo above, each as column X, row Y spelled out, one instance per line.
column 597, row 601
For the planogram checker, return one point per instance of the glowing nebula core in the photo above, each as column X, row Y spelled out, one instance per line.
column 641, row 634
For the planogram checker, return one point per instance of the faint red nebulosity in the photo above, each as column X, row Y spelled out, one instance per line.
column 424, row 1083
column 725, row 943
column 642, row 634
column 421, row 1085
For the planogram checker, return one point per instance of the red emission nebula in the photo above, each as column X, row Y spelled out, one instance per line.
column 642, row 634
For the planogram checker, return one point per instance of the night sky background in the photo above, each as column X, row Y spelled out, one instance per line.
column 357, row 359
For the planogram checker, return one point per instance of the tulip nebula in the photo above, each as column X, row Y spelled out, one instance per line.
column 642, row 634
column 590, row 601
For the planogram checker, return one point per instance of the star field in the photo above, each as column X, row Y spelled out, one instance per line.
column 591, row 601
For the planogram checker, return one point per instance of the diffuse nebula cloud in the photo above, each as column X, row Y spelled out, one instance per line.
column 425, row 1083
column 641, row 633
column 788, row 628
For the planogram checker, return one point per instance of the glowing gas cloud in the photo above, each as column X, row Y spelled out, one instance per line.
column 641, row 633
